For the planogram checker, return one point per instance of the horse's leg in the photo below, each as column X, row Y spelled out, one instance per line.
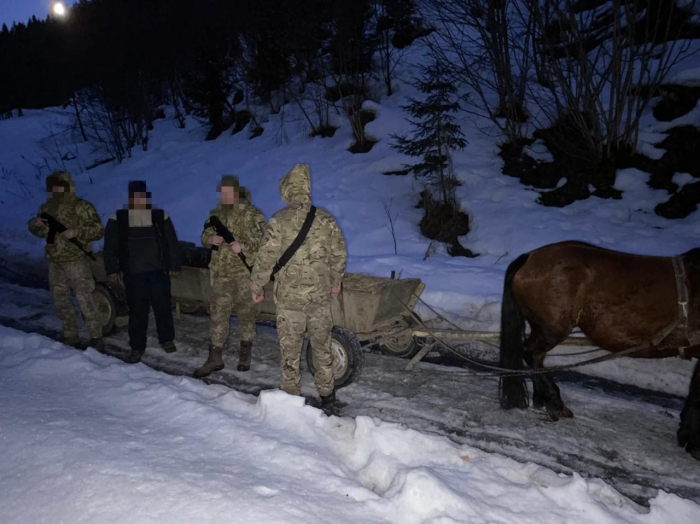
column 545, row 392
column 531, row 344
column 689, row 431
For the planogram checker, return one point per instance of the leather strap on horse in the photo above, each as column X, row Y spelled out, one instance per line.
column 498, row 371
column 683, row 300
column 681, row 321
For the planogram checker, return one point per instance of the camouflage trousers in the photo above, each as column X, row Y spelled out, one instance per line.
column 291, row 326
column 75, row 276
column 231, row 294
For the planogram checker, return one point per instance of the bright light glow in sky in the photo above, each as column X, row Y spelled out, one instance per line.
column 59, row 9
column 22, row 10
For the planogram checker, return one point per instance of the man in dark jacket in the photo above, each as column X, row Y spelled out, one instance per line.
column 141, row 244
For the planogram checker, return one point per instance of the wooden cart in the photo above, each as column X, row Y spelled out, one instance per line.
column 369, row 310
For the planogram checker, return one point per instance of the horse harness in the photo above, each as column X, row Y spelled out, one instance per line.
column 683, row 320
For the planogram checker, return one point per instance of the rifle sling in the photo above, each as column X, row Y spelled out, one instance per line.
column 298, row 241
column 56, row 226
column 216, row 248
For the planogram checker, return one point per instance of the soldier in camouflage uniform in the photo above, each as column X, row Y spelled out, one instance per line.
column 69, row 267
column 304, row 287
column 230, row 279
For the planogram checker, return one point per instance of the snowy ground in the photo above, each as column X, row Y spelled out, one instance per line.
column 87, row 438
column 623, row 435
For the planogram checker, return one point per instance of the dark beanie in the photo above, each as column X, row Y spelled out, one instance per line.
column 229, row 181
column 137, row 186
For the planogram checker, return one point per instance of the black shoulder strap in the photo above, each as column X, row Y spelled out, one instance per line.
column 158, row 217
column 123, row 223
column 298, row 241
column 123, row 239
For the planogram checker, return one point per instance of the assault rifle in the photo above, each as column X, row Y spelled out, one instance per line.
column 56, row 227
column 224, row 233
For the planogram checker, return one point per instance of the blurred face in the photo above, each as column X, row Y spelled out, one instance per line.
column 139, row 201
column 229, row 196
column 57, row 192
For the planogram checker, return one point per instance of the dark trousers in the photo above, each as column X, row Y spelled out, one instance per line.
column 143, row 291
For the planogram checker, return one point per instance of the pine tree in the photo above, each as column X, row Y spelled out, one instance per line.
column 435, row 132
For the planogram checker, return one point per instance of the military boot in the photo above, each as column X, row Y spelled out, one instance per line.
column 169, row 347
column 73, row 342
column 215, row 362
column 134, row 357
column 331, row 406
column 244, row 353
column 98, row 344
column 328, row 399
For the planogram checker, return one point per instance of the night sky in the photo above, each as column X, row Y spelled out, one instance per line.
column 22, row 10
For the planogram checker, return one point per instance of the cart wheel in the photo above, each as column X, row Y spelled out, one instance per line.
column 106, row 306
column 190, row 307
column 348, row 358
column 404, row 345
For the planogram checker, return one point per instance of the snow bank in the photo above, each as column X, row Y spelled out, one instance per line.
column 87, row 438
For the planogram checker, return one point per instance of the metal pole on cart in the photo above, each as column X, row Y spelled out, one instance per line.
column 472, row 335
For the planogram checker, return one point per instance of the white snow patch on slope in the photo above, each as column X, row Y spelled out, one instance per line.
column 683, row 179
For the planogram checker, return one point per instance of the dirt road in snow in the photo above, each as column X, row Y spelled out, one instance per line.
column 628, row 440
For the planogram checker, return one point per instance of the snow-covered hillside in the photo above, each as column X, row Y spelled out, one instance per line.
column 86, row 438
column 182, row 170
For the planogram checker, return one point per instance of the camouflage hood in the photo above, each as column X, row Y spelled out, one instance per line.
column 60, row 178
column 244, row 196
column 72, row 212
column 295, row 187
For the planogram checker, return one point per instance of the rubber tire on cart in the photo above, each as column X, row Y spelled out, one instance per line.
column 106, row 305
column 348, row 358
column 190, row 308
column 405, row 345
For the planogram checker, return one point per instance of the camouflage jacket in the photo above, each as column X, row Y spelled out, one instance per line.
column 318, row 265
column 74, row 213
column 247, row 224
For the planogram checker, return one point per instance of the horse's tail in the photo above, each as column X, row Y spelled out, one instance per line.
column 512, row 389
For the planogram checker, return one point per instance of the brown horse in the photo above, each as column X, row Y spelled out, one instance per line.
column 619, row 301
